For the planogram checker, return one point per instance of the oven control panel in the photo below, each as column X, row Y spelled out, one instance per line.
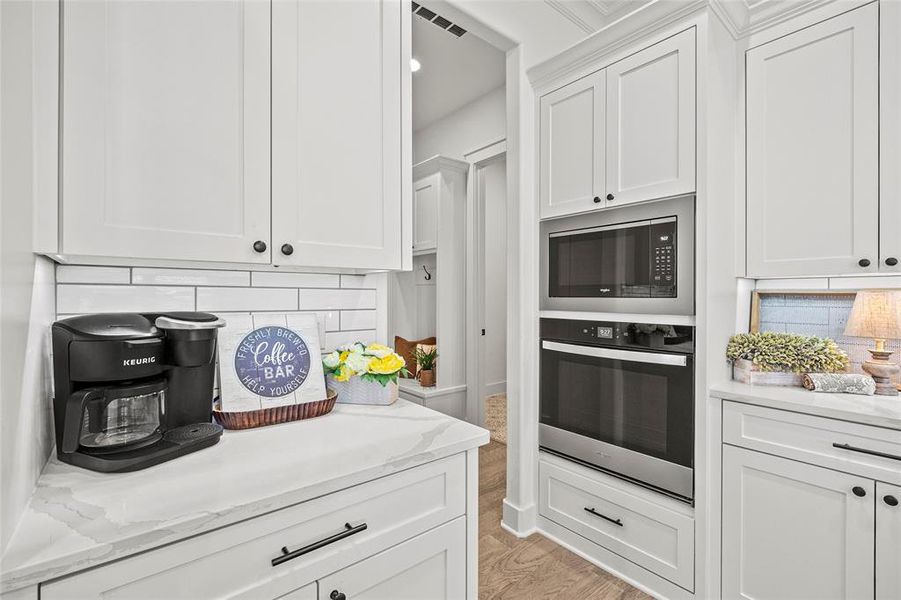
column 670, row 338
column 663, row 259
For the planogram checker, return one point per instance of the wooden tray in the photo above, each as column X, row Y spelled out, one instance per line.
column 273, row 416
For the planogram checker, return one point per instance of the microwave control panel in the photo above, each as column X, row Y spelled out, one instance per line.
column 663, row 259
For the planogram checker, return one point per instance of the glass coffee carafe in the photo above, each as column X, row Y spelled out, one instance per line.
column 119, row 417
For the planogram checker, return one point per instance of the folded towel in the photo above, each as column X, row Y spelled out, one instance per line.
column 843, row 383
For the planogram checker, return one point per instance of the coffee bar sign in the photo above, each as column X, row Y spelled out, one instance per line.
column 269, row 360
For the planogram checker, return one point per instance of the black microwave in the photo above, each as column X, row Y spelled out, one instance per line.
column 634, row 259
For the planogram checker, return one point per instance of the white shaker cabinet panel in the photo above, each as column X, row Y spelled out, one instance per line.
column 813, row 149
column 431, row 566
column 165, row 129
column 426, row 193
column 337, row 70
column 792, row 530
column 651, row 122
column 307, row 592
column 890, row 137
column 571, row 147
column 888, row 541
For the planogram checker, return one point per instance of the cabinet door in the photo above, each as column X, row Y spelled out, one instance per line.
column 337, row 130
column 307, row 592
column 165, row 140
column 813, row 149
column 651, row 122
column 890, row 137
column 571, row 152
column 888, row 541
column 426, row 194
column 432, row 566
column 792, row 530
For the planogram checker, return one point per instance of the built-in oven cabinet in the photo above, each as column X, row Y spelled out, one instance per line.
column 811, row 506
column 621, row 135
column 174, row 150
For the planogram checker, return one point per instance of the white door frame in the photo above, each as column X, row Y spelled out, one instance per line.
column 475, row 266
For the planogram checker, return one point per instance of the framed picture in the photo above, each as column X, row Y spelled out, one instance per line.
column 268, row 360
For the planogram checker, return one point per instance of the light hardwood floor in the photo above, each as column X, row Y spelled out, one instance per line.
column 534, row 568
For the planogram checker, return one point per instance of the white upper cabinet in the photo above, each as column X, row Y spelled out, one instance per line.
column 165, row 129
column 426, row 193
column 337, row 73
column 813, row 149
column 793, row 530
column 572, row 147
column 651, row 122
column 890, row 137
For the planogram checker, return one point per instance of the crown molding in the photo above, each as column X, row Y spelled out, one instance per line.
column 743, row 18
column 581, row 18
column 438, row 163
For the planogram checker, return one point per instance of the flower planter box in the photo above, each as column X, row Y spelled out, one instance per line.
column 357, row 391
column 746, row 372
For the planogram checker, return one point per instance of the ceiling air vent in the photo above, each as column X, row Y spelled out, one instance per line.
column 438, row 20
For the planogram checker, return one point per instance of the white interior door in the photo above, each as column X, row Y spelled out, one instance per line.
column 571, row 147
column 491, row 187
column 337, row 133
column 165, row 129
column 793, row 530
column 432, row 566
column 813, row 149
column 651, row 122
column 888, row 541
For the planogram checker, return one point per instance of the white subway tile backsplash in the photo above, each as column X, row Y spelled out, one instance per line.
column 337, row 338
column 79, row 274
column 122, row 298
column 246, row 299
column 337, row 299
column 357, row 281
column 298, row 280
column 358, row 319
column 145, row 276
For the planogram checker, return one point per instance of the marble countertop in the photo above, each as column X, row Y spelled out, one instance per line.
column 881, row 411
column 77, row 519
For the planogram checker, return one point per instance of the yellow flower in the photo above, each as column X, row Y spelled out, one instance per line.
column 344, row 355
column 343, row 373
column 388, row 365
column 378, row 350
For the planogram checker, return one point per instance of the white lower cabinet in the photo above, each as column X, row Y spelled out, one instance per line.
column 888, row 541
column 379, row 539
column 429, row 567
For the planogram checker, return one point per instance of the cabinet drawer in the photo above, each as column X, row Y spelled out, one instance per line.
column 609, row 512
column 236, row 561
column 873, row 452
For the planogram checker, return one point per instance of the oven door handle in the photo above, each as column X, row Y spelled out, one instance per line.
column 674, row 360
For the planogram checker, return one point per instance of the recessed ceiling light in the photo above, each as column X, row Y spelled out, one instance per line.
column 414, row 65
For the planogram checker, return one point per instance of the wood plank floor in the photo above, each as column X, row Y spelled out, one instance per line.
column 534, row 568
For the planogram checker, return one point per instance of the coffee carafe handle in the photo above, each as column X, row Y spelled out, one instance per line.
column 75, row 416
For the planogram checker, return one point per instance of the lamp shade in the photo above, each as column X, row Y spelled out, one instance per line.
column 876, row 314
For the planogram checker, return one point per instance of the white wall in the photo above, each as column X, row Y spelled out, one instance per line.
column 476, row 125
column 26, row 282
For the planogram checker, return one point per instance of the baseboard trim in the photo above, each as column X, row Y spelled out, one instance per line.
column 519, row 521
column 611, row 562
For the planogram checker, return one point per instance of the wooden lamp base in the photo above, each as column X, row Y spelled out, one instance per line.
column 882, row 370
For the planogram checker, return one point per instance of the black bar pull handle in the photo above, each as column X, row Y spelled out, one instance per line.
column 865, row 451
column 605, row 517
column 287, row 555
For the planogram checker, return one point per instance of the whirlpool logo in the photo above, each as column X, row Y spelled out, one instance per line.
column 132, row 362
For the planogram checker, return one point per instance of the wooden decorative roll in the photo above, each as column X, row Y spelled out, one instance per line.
column 273, row 416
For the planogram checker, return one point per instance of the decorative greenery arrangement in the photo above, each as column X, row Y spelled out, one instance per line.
column 374, row 362
column 426, row 358
column 770, row 351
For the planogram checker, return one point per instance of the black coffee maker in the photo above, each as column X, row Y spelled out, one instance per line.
column 133, row 390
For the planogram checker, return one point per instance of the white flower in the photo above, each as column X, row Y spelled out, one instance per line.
column 331, row 360
column 355, row 347
column 378, row 350
column 358, row 361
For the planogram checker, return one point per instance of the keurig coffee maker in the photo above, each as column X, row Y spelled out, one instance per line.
column 133, row 390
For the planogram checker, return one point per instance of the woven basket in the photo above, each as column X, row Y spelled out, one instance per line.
column 272, row 416
column 358, row 391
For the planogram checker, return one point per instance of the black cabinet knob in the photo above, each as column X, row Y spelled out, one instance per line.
column 259, row 246
column 336, row 595
column 859, row 491
column 890, row 500
column 891, row 261
column 287, row 249
column 864, row 262
column 609, row 196
column 597, row 199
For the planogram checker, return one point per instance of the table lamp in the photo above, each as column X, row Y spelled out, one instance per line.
column 877, row 314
